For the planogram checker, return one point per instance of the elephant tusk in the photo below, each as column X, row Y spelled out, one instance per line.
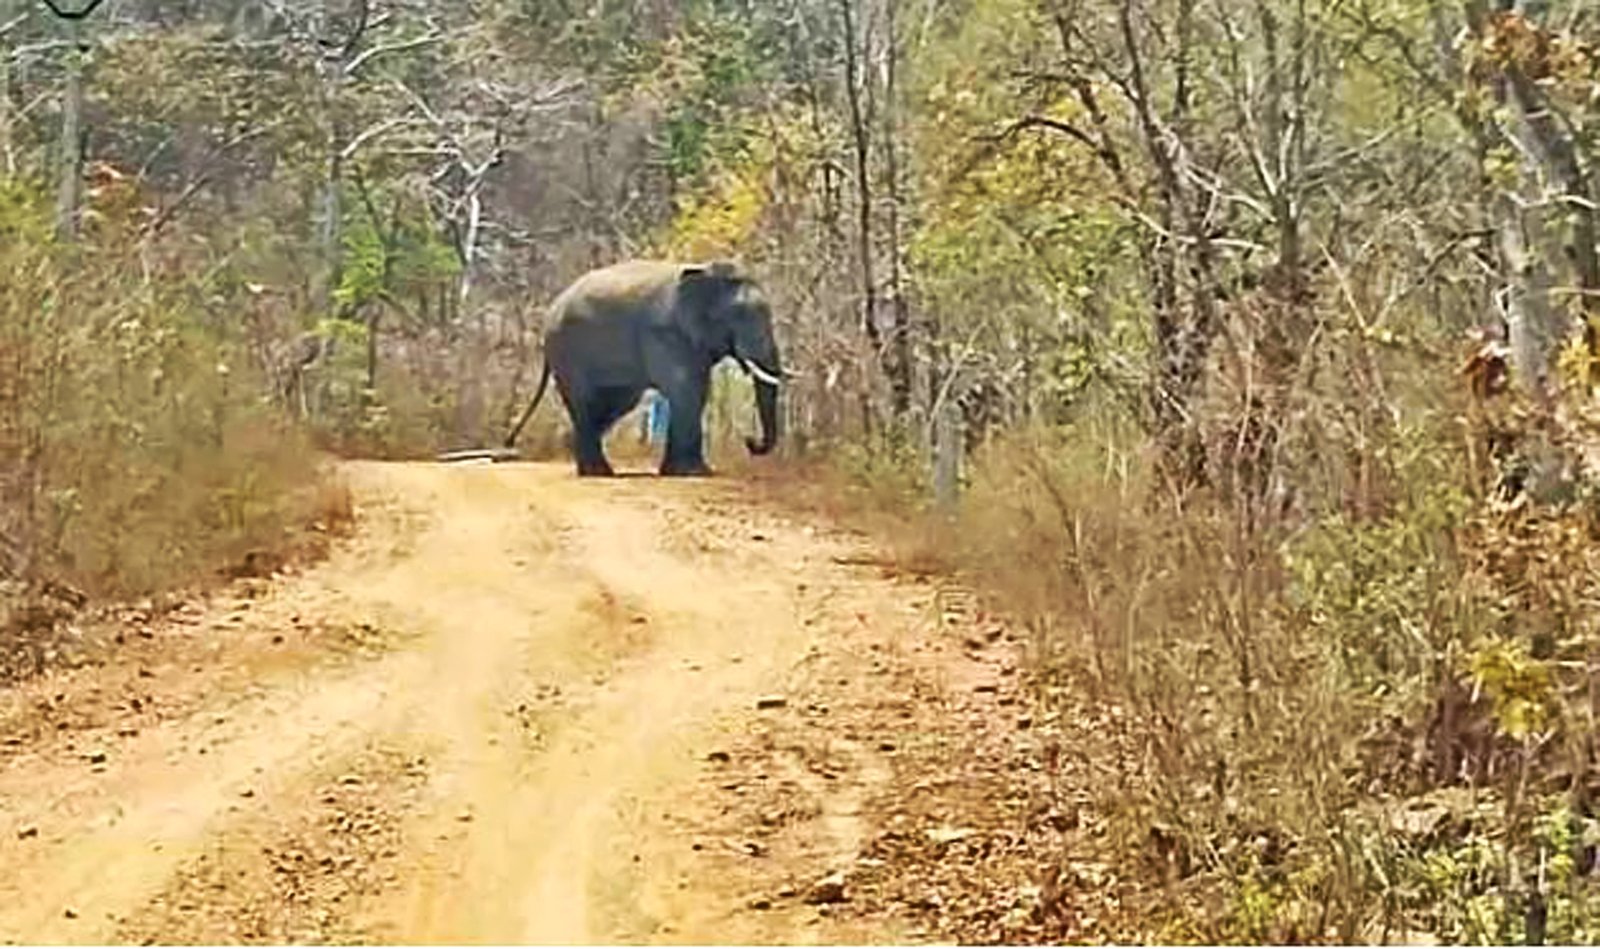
column 762, row 375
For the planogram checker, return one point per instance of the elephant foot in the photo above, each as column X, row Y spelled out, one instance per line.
column 697, row 469
column 598, row 469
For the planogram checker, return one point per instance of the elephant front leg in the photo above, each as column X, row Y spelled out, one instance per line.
column 685, row 454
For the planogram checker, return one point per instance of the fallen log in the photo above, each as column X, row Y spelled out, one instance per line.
column 480, row 454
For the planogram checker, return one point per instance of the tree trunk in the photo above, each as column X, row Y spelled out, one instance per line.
column 947, row 454
column 901, row 368
column 370, row 395
column 861, row 136
column 69, row 188
column 1544, row 140
column 8, row 155
column 1183, row 327
column 328, row 213
column 1530, row 319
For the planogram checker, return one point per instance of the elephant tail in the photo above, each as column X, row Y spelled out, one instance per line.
column 544, row 380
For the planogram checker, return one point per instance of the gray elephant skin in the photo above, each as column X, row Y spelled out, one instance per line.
column 647, row 324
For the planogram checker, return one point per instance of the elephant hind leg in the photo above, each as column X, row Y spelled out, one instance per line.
column 599, row 409
column 610, row 404
column 587, row 452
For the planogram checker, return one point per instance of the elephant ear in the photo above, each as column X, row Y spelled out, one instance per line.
column 703, row 285
column 702, row 289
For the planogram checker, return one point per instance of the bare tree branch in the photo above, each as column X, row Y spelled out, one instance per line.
column 375, row 131
column 383, row 49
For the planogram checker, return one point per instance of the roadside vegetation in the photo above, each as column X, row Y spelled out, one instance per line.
column 1245, row 351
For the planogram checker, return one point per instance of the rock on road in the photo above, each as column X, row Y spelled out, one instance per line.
column 474, row 722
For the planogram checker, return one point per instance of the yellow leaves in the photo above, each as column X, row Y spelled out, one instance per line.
column 1576, row 365
column 722, row 219
column 1500, row 167
column 1521, row 687
column 720, row 223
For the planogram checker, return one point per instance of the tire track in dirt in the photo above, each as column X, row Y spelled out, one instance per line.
column 552, row 658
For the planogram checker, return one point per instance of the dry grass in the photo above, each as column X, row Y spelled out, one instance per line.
column 1358, row 717
column 136, row 452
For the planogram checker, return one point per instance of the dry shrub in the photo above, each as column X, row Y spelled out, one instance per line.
column 136, row 450
column 1370, row 718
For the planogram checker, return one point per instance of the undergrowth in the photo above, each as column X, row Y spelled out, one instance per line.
column 137, row 453
column 1366, row 713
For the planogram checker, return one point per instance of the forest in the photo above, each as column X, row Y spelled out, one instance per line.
column 1245, row 350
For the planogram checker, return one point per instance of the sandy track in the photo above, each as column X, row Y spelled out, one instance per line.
column 543, row 664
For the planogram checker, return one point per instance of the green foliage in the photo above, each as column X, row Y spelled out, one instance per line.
column 1381, row 593
column 721, row 217
column 390, row 258
column 1018, row 236
column 706, row 75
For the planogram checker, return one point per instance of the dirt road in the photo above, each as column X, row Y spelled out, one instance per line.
column 496, row 714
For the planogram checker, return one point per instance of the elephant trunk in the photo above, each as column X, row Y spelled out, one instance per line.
column 767, row 408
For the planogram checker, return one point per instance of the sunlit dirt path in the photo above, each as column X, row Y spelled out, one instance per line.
column 474, row 723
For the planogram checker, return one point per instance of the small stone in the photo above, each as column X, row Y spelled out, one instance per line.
column 771, row 701
column 829, row 889
column 95, row 757
column 719, row 756
column 760, row 902
column 986, row 687
column 1062, row 822
column 886, row 746
column 787, row 892
column 70, row 913
column 1024, row 721
column 464, row 817
column 248, row 792
column 27, row 832
column 947, row 835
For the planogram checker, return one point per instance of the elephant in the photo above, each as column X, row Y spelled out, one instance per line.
column 654, row 324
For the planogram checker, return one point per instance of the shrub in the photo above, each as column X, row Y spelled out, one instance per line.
column 136, row 451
